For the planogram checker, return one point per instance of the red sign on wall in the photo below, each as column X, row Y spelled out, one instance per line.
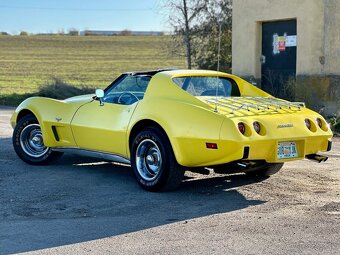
column 282, row 43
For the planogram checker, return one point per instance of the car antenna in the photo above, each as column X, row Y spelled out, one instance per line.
column 218, row 63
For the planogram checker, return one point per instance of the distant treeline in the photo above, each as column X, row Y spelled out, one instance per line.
column 75, row 32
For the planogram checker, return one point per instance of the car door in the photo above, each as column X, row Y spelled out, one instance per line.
column 103, row 127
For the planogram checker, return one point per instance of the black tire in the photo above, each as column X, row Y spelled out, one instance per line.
column 29, row 145
column 267, row 170
column 153, row 161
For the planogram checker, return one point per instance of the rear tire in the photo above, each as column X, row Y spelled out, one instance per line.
column 153, row 161
column 28, row 142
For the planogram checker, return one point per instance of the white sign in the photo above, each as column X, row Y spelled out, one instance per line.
column 290, row 40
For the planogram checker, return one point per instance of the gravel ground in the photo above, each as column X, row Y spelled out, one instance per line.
column 83, row 206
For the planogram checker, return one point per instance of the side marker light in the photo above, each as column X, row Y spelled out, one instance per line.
column 211, row 145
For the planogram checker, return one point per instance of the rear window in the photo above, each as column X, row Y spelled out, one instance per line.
column 208, row 86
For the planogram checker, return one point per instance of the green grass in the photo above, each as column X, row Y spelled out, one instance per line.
column 29, row 62
column 56, row 88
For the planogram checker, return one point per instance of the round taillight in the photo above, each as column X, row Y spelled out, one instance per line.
column 308, row 124
column 241, row 127
column 319, row 121
column 257, row 127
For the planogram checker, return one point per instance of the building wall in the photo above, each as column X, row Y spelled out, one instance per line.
column 318, row 43
column 248, row 16
column 332, row 37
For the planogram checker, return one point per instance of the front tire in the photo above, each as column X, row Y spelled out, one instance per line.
column 153, row 161
column 28, row 142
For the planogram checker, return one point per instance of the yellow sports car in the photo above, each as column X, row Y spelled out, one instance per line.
column 164, row 122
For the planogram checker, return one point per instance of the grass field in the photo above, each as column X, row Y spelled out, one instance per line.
column 27, row 62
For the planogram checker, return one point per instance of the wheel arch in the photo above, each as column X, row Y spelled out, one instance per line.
column 23, row 113
column 142, row 124
column 19, row 114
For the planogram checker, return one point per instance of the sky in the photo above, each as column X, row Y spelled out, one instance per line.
column 44, row 16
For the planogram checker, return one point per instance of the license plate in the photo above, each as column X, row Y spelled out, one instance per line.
column 286, row 150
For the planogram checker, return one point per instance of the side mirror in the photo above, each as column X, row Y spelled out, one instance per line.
column 100, row 95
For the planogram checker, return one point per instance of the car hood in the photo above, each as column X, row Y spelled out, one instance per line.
column 79, row 99
column 248, row 106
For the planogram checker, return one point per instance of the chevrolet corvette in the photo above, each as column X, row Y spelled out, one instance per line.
column 163, row 122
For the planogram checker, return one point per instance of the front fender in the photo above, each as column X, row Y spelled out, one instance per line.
column 50, row 113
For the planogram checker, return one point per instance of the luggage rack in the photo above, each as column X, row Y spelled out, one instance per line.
column 262, row 104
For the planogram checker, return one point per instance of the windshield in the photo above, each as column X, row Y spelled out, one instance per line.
column 135, row 83
column 208, row 86
column 127, row 89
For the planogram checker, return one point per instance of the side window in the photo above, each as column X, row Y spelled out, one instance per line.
column 127, row 90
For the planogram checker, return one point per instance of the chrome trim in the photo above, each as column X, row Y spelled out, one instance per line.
column 285, row 125
column 148, row 160
column 264, row 104
column 316, row 157
column 31, row 141
column 94, row 154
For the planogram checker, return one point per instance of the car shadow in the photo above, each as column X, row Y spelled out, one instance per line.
column 80, row 199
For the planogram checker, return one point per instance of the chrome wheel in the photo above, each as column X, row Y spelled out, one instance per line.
column 31, row 141
column 153, row 161
column 148, row 160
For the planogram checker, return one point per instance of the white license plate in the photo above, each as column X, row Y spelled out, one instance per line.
column 286, row 150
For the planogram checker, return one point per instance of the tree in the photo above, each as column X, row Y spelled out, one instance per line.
column 126, row 32
column 195, row 25
column 217, row 13
column 183, row 15
column 73, row 32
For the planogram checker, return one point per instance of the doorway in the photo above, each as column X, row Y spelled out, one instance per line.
column 278, row 58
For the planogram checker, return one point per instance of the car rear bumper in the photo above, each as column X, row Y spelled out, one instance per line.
column 194, row 153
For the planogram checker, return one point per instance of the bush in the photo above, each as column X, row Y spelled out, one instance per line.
column 23, row 33
column 336, row 126
column 58, row 89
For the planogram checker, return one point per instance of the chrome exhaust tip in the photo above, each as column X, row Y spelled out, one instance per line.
column 316, row 157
